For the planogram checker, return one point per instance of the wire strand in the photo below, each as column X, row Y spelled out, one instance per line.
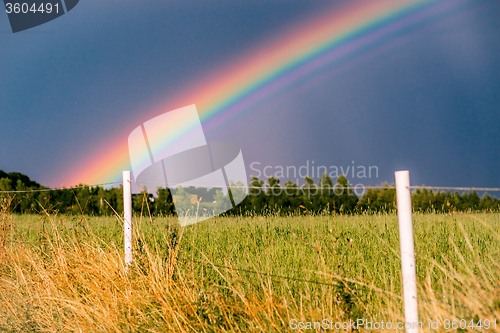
column 273, row 276
column 259, row 273
column 267, row 187
column 490, row 189
column 60, row 188
column 356, row 187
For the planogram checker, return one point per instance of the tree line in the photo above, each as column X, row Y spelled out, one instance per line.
column 268, row 196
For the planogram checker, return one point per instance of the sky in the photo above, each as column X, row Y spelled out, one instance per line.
column 426, row 99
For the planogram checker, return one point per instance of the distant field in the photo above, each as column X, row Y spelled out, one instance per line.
column 69, row 275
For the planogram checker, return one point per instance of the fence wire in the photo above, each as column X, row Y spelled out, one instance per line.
column 273, row 276
column 62, row 188
column 447, row 188
column 358, row 186
column 268, row 187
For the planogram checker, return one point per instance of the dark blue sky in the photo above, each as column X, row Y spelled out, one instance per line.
column 428, row 101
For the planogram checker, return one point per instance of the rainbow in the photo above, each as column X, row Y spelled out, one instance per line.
column 323, row 41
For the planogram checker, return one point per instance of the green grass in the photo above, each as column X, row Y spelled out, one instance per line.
column 352, row 263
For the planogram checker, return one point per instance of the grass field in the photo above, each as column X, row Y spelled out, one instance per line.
column 66, row 273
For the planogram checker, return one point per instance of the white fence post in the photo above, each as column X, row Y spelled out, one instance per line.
column 127, row 220
column 407, row 250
